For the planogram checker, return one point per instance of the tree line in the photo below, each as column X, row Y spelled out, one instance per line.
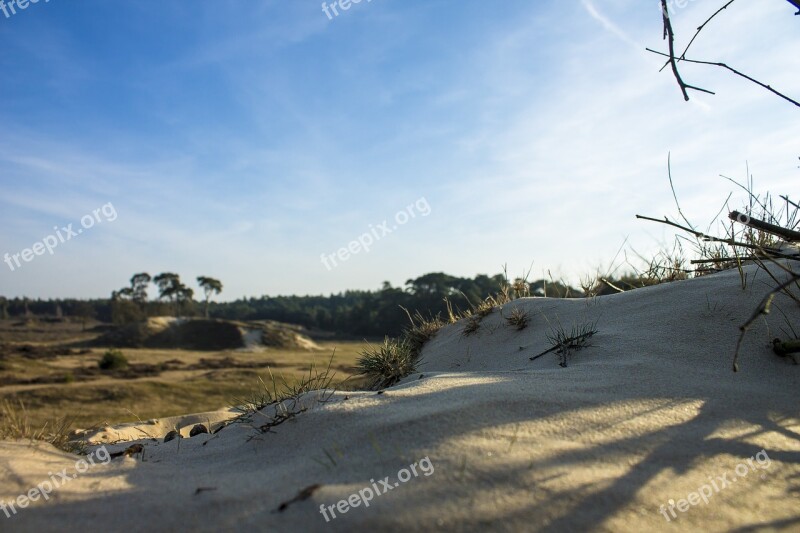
column 354, row 313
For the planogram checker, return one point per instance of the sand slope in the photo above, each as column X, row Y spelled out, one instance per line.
column 650, row 412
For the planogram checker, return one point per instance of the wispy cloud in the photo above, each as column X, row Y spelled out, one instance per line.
column 610, row 26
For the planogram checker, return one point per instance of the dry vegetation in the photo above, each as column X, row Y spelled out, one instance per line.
column 51, row 381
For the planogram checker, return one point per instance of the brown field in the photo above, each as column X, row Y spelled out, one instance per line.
column 52, row 381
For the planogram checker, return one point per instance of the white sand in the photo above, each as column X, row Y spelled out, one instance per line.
column 650, row 412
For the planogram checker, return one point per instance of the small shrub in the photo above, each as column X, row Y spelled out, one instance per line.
column 69, row 377
column 113, row 360
column 388, row 363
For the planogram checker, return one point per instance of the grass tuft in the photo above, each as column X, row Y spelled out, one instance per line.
column 472, row 326
column 388, row 363
column 15, row 424
column 285, row 396
column 518, row 319
column 564, row 342
column 421, row 330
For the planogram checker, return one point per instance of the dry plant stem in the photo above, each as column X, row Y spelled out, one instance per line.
column 567, row 343
column 611, row 285
column 787, row 198
column 674, row 194
column 787, row 234
column 764, row 308
column 788, row 271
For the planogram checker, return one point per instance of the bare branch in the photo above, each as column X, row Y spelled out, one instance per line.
column 699, row 29
column 669, row 35
column 787, row 234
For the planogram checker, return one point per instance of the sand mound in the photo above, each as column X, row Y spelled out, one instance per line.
column 649, row 415
column 202, row 334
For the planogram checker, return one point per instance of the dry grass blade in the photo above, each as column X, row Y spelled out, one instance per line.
column 15, row 424
column 287, row 397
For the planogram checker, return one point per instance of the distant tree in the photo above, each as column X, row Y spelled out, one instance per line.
column 169, row 286
column 183, row 296
column 139, row 283
column 4, row 308
column 124, row 293
column 210, row 286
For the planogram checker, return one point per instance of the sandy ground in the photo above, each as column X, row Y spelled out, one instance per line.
column 650, row 412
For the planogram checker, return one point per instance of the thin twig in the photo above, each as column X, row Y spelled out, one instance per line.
column 699, row 29
column 674, row 194
column 723, row 65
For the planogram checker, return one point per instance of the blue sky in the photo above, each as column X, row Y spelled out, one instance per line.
column 243, row 140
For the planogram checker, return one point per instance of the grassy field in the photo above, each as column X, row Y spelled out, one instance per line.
column 53, row 382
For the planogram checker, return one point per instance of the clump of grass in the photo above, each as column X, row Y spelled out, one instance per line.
column 388, row 363
column 15, row 424
column 285, row 396
column 518, row 319
column 420, row 331
column 472, row 326
column 564, row 342
column 485, row 308
column 113, row 360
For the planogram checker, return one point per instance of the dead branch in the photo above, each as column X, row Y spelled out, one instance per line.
column 669, row 34
column 730, row 242
column 611, row 285
column 786, row 234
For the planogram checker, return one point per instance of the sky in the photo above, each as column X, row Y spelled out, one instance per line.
column 256, row 141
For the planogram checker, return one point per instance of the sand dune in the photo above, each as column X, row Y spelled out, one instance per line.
column 650, row 412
